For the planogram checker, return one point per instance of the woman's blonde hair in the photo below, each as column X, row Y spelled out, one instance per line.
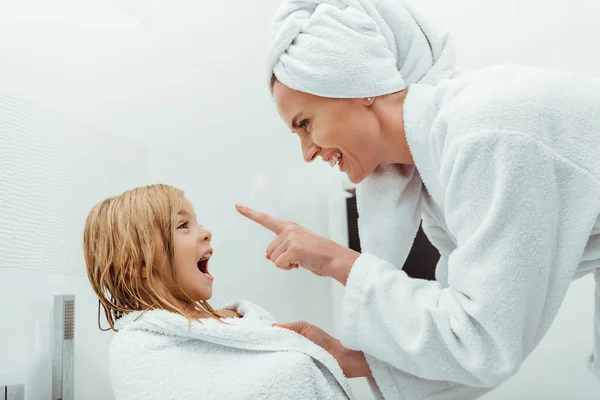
column 119, row 241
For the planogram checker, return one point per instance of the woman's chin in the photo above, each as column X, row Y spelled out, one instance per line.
column 355, row 179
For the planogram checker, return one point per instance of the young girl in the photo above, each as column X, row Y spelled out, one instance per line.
column 148, row 261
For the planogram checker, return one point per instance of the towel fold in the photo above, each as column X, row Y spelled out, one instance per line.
column 159, row 356
column 356, row 48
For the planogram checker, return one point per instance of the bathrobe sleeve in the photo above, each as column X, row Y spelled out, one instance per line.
column 442, row 242
column 521, row 216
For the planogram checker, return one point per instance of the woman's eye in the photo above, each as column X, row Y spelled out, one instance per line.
column 303, row 124
column 183, row 225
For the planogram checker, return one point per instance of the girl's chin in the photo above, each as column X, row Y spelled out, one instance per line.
column 205, row 297
column 203, row 294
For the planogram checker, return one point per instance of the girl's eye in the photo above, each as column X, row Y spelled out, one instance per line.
column 183, row 225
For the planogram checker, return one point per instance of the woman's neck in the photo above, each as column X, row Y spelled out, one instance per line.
column 395, row 149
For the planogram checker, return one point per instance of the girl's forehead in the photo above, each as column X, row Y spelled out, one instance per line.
column 186, row 208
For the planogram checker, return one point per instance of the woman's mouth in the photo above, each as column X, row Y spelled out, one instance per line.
column 335, row 159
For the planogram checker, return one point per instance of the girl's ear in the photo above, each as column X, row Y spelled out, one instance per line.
column 144, row 272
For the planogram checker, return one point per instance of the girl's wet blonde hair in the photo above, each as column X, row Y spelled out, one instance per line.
column 119, row 241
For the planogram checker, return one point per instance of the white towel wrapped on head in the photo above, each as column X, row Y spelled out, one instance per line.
column 356, row 48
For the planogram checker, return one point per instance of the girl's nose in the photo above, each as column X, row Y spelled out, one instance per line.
column 204, row 235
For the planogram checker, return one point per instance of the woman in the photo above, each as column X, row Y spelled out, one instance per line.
column 501, row 165
column 148, row 262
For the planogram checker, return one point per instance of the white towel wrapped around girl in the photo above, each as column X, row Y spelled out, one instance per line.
column 147, row 260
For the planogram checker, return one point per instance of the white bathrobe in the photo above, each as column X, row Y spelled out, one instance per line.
column 160, row 357
column 508, row 189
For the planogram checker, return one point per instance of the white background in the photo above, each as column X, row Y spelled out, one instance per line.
column 97, row 97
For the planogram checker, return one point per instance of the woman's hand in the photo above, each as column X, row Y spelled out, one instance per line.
column 296, row 246
column 352, row 362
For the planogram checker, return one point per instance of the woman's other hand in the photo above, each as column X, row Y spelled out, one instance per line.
column 353, row 363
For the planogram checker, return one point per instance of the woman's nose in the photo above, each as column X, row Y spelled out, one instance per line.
column 310, row 152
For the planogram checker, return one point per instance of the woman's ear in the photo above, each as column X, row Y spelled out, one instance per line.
column 367, row 101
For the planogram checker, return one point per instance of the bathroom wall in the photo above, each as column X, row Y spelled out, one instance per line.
column 540, row 33
column 100, row 96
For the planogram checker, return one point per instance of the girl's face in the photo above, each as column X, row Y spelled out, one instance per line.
column 192, row 251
